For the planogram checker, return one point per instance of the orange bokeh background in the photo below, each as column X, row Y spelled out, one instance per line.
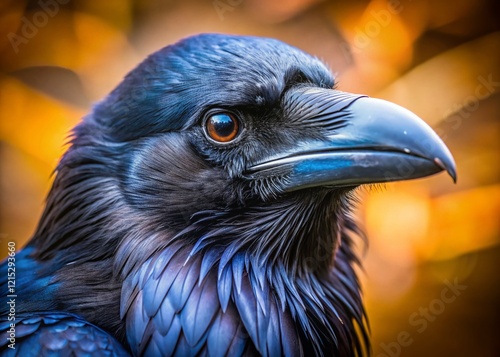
column 439, row 59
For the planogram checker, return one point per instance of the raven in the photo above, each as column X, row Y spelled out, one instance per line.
column 204, row 208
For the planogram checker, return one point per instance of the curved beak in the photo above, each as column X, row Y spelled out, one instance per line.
column 366, row 140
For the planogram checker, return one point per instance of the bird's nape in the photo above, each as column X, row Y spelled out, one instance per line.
column 204, row 207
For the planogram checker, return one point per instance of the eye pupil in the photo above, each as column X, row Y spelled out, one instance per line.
column 222, row 127
column 222, row 124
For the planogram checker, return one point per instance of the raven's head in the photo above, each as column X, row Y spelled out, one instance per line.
column 237, row 149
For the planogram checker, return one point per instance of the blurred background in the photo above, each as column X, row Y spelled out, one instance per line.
column 431, row 277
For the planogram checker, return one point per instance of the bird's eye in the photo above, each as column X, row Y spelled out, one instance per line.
column 222, row 127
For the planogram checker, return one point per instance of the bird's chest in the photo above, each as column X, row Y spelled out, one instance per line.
column 201, row 306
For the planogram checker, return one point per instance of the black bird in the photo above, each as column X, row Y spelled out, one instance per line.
column 203, row 208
